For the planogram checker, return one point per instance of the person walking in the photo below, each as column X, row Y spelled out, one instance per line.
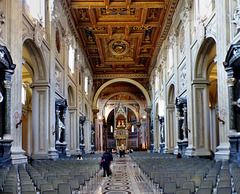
column 106, row 162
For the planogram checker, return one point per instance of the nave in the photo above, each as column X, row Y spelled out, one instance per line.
column 126, row 178
column 140, row 173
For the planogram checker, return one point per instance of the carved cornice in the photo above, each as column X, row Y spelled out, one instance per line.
column 145, row 76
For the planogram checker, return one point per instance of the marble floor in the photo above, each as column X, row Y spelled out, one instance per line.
column 127, row 178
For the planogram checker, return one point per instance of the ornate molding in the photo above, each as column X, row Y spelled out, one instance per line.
column 121, row 76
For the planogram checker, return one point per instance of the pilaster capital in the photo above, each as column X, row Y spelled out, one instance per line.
column 148, row 110
column 95, row 111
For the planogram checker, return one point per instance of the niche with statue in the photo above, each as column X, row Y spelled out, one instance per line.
column 61, row 108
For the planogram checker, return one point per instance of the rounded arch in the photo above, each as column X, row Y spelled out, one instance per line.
column 35, row 61
column 71, row 96
column 144, row 91
column 128, row 106
column 121, row 93
column 205, row 56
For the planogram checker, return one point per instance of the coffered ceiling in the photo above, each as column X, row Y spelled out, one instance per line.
column 121, row 36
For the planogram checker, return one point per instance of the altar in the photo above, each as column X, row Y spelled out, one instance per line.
column 121, row 133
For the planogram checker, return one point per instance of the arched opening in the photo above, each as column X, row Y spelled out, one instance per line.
column 117, row 124
column 213, row 107
column 34, row 102
column 71, row 130
column 206, row 99
column 170, row 127
column 27, row 110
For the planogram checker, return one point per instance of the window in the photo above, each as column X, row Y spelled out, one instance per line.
column 86, row 85
column 132, row 128
column 71, row 59
column 37, row 9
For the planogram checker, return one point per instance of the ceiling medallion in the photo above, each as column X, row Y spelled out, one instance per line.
column 118, row 47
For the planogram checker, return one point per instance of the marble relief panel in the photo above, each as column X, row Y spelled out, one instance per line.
column 182, row 77
column 80, row 102
column 58, row 79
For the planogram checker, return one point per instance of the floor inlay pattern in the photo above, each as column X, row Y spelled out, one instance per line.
column 126, row 179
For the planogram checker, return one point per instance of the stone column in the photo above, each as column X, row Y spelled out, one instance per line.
column 150, row 144
column 138, row 133
column 101, row 136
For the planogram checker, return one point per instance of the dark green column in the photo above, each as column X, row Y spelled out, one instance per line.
column 232, row 123
column 64, row 129
column 57, row 125
column 185, row 120
column 7, row 86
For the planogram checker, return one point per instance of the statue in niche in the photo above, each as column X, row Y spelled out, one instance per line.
column 60, row 130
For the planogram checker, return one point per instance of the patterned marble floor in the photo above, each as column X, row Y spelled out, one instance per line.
column 126, row 179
